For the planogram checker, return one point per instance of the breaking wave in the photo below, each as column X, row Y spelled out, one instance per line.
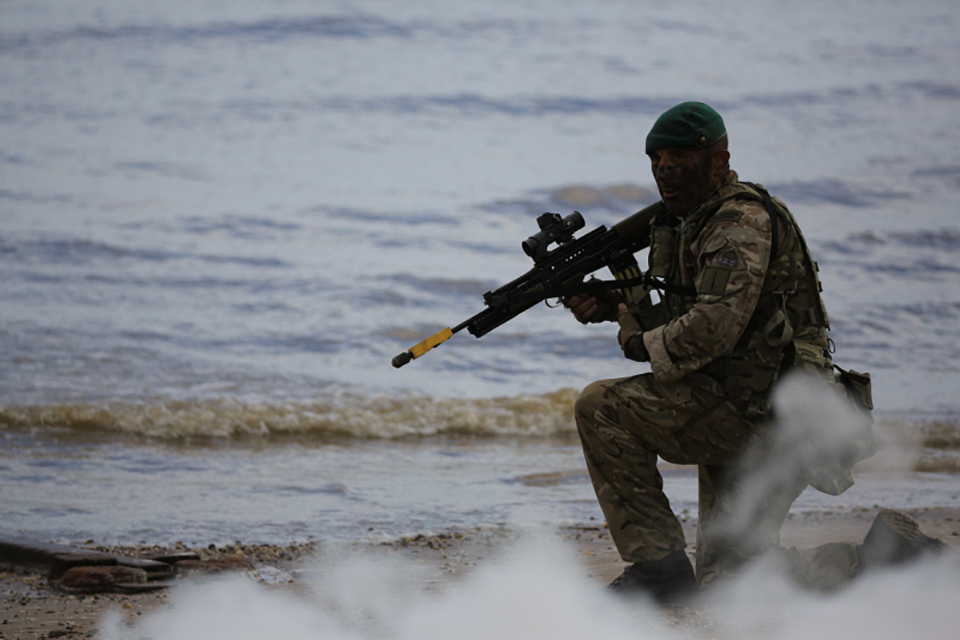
column 547, row 414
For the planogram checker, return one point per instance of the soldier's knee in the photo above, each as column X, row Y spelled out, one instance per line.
column 591, row 399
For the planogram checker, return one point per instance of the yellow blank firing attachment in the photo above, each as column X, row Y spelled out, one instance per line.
column 418, row 350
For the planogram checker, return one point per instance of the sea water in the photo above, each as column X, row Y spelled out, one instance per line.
column 220, row 221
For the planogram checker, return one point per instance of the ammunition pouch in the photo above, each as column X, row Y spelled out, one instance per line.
column 663, row 251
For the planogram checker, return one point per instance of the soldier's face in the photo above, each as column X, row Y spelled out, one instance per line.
column 684, row 178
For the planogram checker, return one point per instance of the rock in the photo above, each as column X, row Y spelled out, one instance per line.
column 140, row 587
column 217, row 565
column 62, row 562
column 97, row 579
column 155, row 569
column 22, row 552
column 173, row 557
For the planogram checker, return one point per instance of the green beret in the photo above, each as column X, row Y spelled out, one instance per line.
column 689, row 125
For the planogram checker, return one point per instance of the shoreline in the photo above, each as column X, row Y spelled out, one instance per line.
column 33, row 608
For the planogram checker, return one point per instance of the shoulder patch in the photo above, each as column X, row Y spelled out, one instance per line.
column 714, row 281
column 716, row 276
column 729, row 261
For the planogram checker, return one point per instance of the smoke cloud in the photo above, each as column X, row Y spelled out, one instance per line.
column 539, row 591
column 815, row 436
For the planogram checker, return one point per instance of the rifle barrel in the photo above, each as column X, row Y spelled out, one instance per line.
column 421, row 348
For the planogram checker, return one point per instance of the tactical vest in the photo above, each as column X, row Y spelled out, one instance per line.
column 790, row 323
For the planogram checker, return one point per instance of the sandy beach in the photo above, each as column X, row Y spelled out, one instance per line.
column 32, row 608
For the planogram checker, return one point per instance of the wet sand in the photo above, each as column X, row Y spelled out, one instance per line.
column 31, row 608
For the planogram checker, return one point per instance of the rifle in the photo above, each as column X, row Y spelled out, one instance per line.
column 559, row 272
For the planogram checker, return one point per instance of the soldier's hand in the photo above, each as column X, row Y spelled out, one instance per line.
column 587, row 308
column 584, row 307
column 630, row 336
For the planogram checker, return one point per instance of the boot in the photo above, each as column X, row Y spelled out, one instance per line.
column 895, row 538
column 669, row 581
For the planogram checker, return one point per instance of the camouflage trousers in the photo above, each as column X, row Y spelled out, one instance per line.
column 626, row 424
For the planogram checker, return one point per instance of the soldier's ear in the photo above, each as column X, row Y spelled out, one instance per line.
column 720, row 164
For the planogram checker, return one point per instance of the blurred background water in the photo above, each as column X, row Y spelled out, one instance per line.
column 220, row 221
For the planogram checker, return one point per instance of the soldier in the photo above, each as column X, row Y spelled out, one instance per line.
column 745, row 307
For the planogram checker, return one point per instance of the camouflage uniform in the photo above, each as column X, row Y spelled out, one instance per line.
column 714, row 358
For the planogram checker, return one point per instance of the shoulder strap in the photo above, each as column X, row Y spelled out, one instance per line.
column 772, row 212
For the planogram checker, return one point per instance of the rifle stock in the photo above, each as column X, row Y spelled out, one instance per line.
column 558, row 272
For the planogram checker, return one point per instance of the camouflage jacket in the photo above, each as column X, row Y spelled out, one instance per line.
column 752, row 316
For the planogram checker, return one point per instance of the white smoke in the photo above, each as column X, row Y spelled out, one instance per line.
column 236, row 609
column 815, row 428
column 916, row 601
column 539, row 591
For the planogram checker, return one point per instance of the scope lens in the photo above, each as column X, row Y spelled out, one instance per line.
column 530, row 246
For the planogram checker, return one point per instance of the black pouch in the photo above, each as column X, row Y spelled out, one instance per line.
column 858, row 388
column 831, row 473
